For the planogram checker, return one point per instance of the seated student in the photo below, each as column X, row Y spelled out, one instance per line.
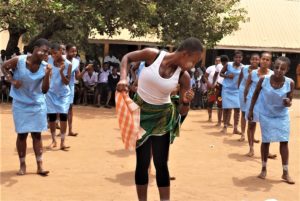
column 90, row 83
column 113, row 80
column 102, row 85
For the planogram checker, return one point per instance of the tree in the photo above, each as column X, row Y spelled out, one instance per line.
column 73, row 21
column 208, row 20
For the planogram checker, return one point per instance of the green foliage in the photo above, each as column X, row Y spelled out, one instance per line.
column 72, row 21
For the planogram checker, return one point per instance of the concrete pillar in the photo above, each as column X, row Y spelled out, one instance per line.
column 106, row 49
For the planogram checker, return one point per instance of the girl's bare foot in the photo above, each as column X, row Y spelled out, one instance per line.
column 288, row 179
column 22, row 170
column 250, row 154
column 218, row 124
column 236, row 131
column 256, row 141
column 63, row 146
column 262, row 175
column 52, row 145
column 224, row 130
column 73, row 134
column 272, row 156
column 42, row 172
column 242, row 139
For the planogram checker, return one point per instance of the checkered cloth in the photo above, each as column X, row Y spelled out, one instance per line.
column 128, row 113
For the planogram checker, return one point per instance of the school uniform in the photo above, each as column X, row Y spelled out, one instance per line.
column 274, row 116
column 254, row 78
column 230, row 90
column 58, row 96
column 29, row 105
column 242, row 86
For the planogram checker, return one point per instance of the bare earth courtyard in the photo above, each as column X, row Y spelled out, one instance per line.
column 207, row 165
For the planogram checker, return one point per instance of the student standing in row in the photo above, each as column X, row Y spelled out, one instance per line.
column 253, row 78
column 58, row 96
column 71, row 51
column 254, row 62
column 277, row 92
column 230, row 90
column 28, row 85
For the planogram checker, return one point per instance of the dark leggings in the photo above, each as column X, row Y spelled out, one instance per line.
column 159, row 145
column 62, row 117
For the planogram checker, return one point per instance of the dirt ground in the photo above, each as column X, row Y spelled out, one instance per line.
column 207, row 165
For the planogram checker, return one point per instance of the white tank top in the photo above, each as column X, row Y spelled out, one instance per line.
column 153, row 88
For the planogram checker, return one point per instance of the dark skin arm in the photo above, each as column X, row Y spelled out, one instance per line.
column 223, row 71
column 186, row 94
column 209, row 85
column 215, row 77
column 11, row 64
column 288, row 100
column 254, row 98
column 247, row 87
column 148, row 55
column 46, row 80
column 65, row 79
column 240, row 78
column 79, row 75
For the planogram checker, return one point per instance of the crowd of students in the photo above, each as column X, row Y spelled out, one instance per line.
column 44, row 87
column 257, row 93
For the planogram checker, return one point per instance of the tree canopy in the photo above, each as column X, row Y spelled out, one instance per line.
column 74, row 20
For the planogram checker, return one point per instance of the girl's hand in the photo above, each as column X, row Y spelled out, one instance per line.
column 16, row 83
column 48, row 69
column 62, row 67
column 188, row 96
column 250, row 115
column 122, row 86
column 230, row 76
column 287, row 102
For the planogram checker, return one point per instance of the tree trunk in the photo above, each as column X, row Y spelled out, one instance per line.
column 14, row 35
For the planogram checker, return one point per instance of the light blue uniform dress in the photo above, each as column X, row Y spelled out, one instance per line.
column 58, row 96
column 29, row 106
column 141, row 67
column 245, row 71
column 274, row 116
column 75, row 67
column 230, row 90
column 254, row 78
